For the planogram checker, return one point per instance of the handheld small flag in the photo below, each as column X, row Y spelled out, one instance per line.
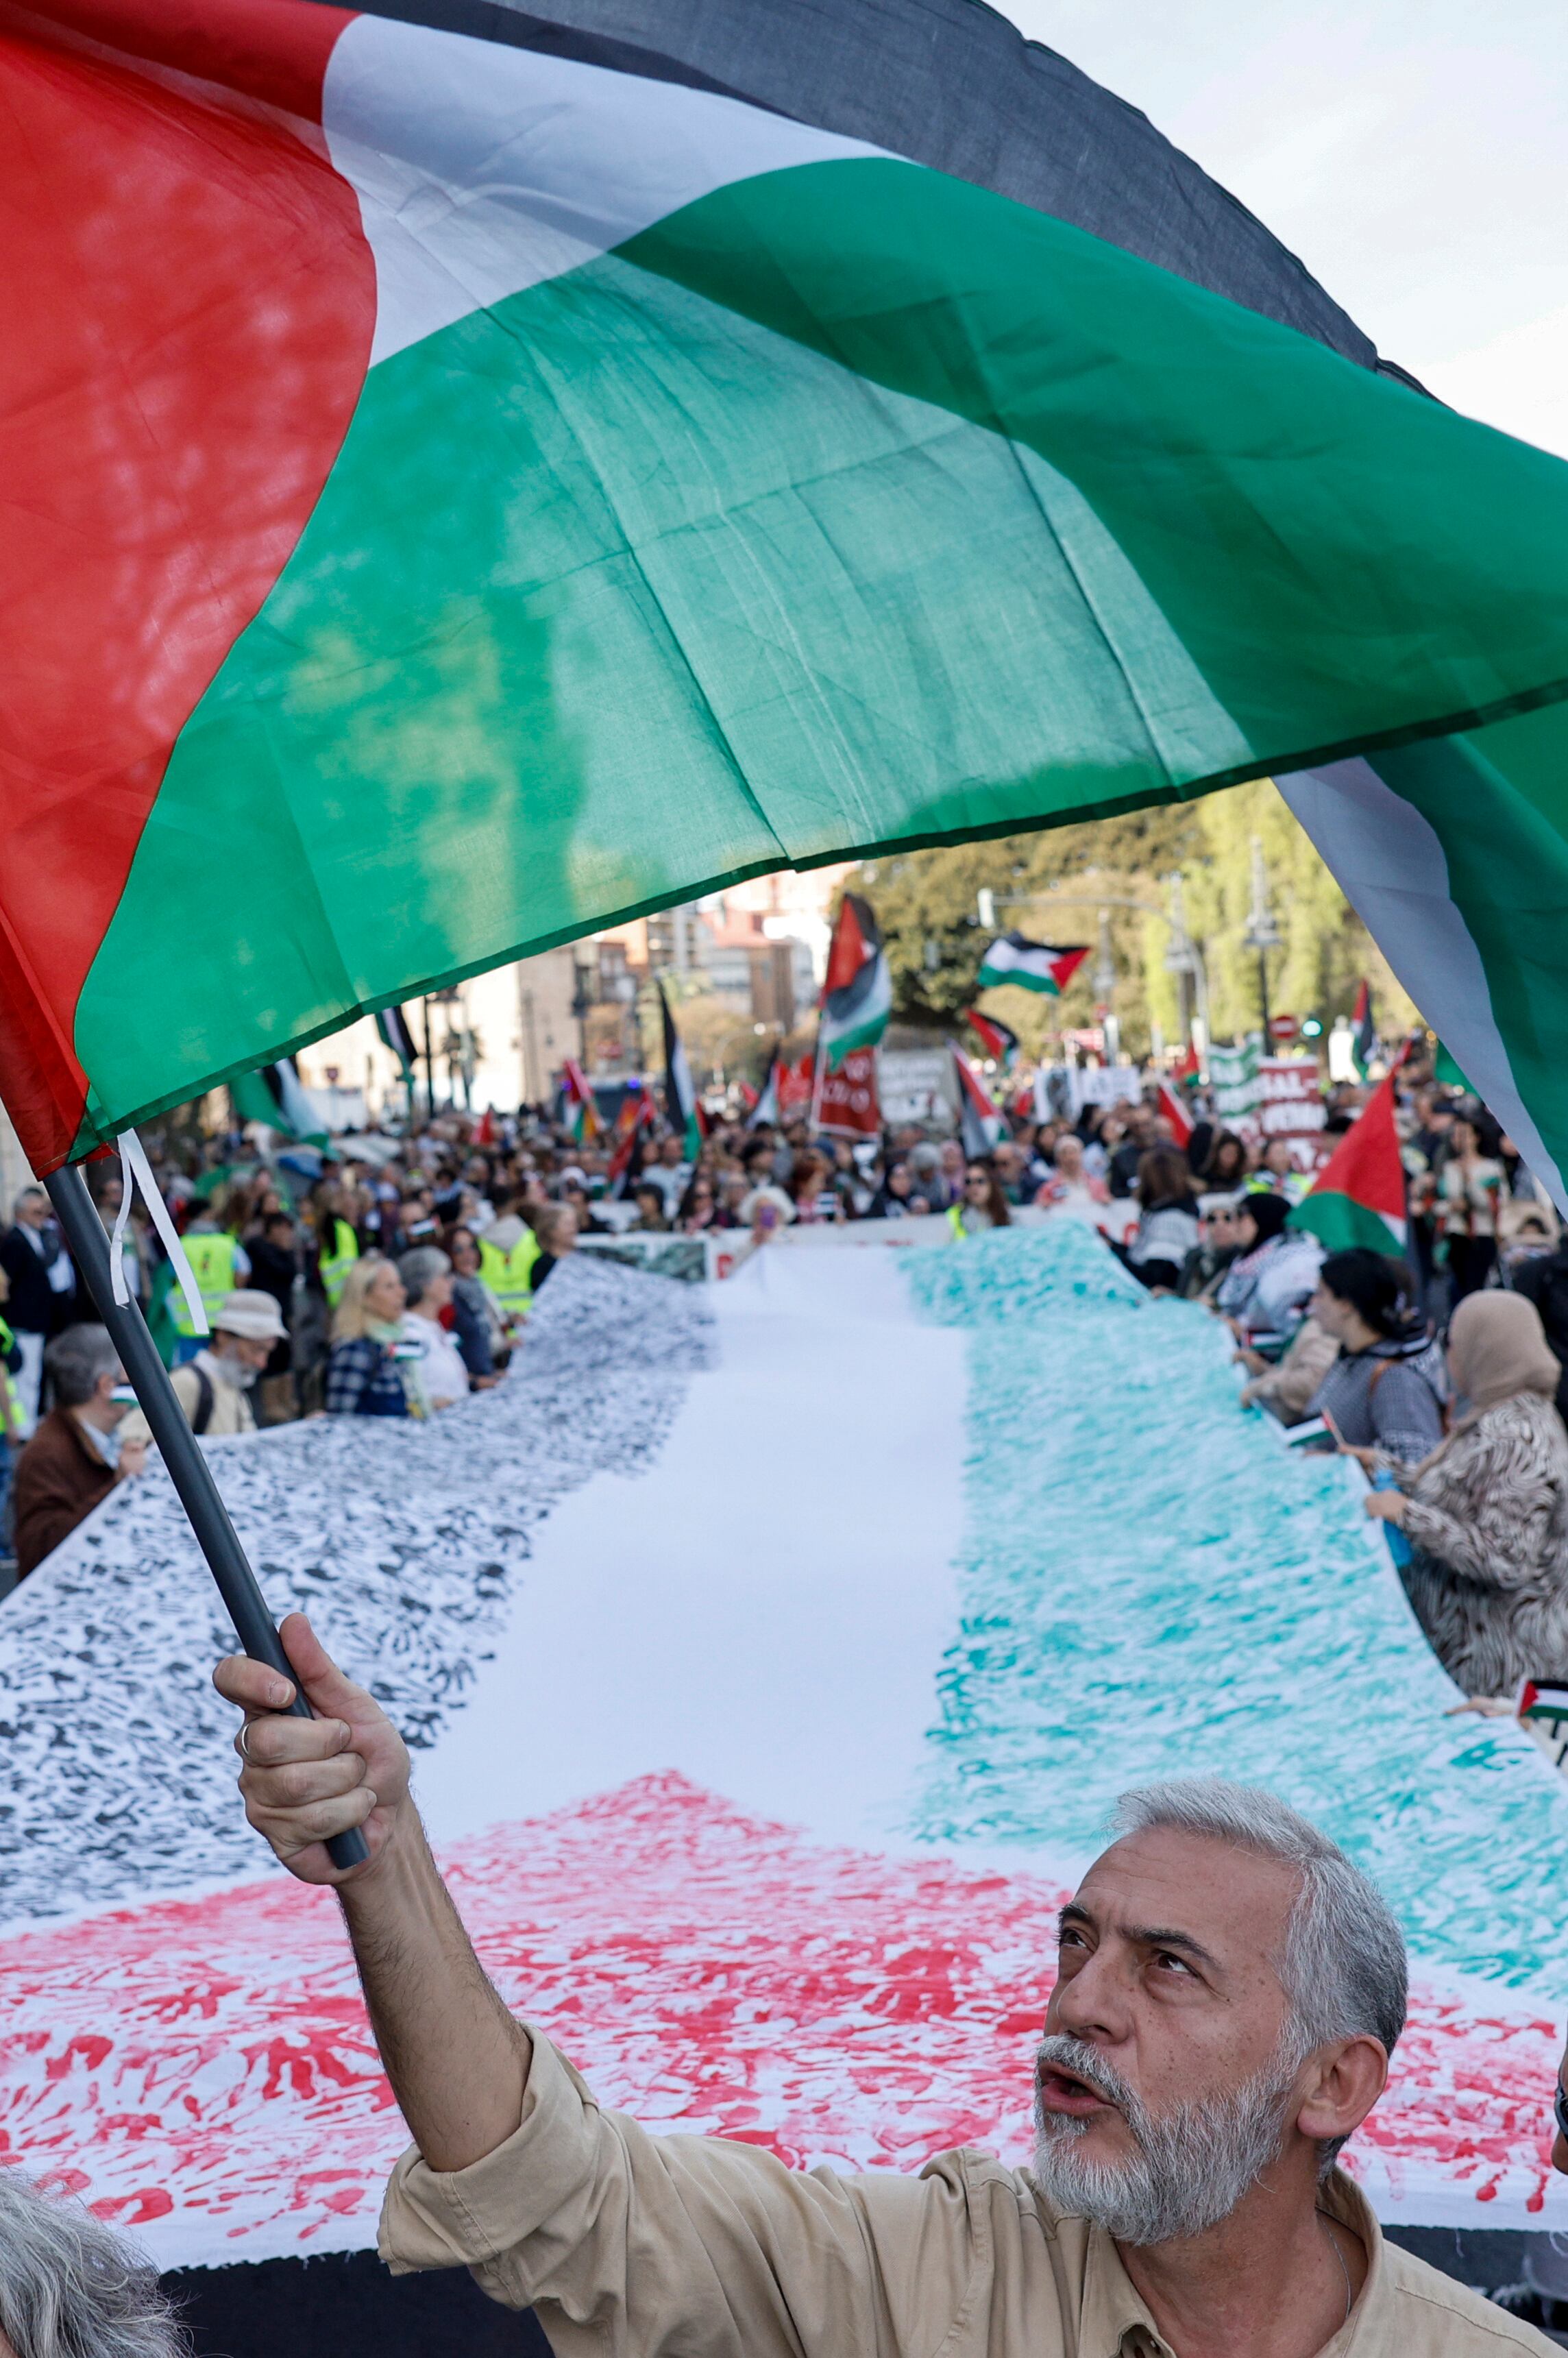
column 581, row 1112
column 393, row 1025
column 766, row 1109
column 1189, row 1067
column 1364, row 1033
column 856, row 992
column 680, row 1090
column 635, row 1118
column 999, row 1040
column 980, row 1124
column 1175, row 1113
column 276, row 1095
column 1358, row 1198
column 1444, row 1069
column 1033, row 966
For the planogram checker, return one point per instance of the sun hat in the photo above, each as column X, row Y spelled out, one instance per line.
column 252, row 1315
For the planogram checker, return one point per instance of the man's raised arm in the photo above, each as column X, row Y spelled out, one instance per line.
column 457, row 2060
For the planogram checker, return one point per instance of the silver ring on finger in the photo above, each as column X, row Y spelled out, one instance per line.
column 243, row 1740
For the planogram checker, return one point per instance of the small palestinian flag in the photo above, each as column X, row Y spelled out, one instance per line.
column 980, row 1124
column 999, row 1040
column 680, row 1090
column 856, row 993
column 1364, row 1031
column 1359, row 1197
column 635, row 1118
column 1033, row 966
column 276, row 1095
column 1170, row 1105
column 1446, row 1070
column 393, row 1025
column 581, row 1112
column 766, row 1109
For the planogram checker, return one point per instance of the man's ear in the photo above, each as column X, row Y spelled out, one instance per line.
column 1341, row 2085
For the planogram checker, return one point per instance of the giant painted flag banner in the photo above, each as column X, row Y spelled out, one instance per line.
column 773, row 1848
column 488, row 478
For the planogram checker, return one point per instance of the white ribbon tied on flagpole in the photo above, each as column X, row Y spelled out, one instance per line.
column 135, row 1170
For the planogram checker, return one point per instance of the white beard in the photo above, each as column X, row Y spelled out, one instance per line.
column 1192, row 2166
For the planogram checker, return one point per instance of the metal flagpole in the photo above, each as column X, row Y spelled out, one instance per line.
column 187, row 1467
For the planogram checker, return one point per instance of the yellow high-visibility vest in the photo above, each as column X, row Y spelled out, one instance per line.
column 509, row 1274
column 336, row 1264
column 18, row 1414
column 211, row 1254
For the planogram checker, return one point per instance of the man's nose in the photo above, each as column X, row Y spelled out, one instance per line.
column 1092, row 2004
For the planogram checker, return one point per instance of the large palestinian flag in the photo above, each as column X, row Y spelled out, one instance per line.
column 474, row 482
column 794, row 1876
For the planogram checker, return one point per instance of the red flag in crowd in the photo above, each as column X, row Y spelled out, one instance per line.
column 1168, row 1103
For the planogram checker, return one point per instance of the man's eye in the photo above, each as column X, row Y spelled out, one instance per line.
column 1168, row 1958
column 1070, row 1938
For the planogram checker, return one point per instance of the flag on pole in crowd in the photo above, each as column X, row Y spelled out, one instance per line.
column 856, row 991
column 766, row 1108
column 1363, row 1030
column 797, row 1086
column 1033, row 966
column 1168, row 1102
column 634, row 1118
column 1444, row 1069
column 1359, row 1197
column 275, row 1094
column 682, row 1109
column 999, row 1040
column 582, row 1120
column 393, row 1026
column 980, row 1124
column 697, row 241
column 1189, row 1065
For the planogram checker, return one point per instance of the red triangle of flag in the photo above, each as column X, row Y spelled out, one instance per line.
column 1365, row 1165
column 850, row 950
column 1175, row 1113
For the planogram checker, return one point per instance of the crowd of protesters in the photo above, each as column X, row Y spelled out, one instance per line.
column 394, row 1279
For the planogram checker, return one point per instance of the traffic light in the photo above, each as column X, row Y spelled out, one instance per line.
column 1312, row 1027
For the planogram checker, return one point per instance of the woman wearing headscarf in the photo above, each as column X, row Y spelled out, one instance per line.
column 1487, row 1513
column 1269, row 1284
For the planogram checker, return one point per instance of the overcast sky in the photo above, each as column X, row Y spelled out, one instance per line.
column 1413, row 153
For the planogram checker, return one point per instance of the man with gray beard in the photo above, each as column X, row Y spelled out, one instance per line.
column 1230, row 1988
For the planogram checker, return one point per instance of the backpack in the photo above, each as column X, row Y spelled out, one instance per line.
column 204, row 1399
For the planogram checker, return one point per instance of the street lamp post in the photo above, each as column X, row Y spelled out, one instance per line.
column 1105, row 986
column 1184, row 960
column 1262, row 933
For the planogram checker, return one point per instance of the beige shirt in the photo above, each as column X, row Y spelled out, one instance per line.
column 232, row 1410
column 627, row 2243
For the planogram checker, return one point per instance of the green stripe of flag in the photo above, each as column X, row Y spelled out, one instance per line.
column 851, row 507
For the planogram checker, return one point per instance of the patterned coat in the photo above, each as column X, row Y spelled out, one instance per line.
column 1488, row 1527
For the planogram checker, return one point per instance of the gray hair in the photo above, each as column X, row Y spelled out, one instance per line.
column 76, row 1360
column 1344, row 1965
column 417, row 1268
column 70, row 2287
column 27, row 1196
